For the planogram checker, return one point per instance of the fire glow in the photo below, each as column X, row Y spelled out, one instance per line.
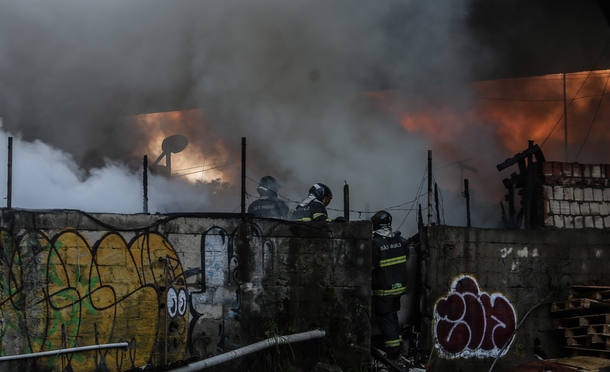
column 500, row 118
column 197, row 162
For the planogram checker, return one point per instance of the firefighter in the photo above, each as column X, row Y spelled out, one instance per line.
column 268, row 205
column 313, row 207
column 389, row 280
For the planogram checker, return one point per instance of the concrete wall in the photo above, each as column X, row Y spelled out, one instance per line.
column 179, row 288
column 183, row 287
column 487, row 293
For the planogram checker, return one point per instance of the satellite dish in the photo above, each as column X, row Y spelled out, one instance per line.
column 174, row 144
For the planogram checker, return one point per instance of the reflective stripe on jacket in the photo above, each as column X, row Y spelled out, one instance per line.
column 389, row 277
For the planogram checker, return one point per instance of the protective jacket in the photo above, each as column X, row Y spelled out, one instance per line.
column 269, row 207
column 310, row 209
column 390, row 252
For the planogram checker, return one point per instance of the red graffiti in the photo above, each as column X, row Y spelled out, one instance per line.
column 471, row 323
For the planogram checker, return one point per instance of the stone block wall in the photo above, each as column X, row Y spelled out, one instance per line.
column 576, row 196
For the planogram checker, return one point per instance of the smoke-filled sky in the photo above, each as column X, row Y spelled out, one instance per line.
column 292, row 77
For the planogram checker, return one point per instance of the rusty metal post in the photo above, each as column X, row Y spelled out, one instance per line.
column 145, row 184
column 467, row 196
column 346, row 201
column 429, row 187
column 9, row 178
column 243, row 176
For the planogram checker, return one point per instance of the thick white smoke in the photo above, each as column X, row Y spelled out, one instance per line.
column 44, row 177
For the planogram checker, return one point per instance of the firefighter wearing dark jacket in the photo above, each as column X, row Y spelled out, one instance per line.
column 268, row 205
column 313, row 208
column 389, row 279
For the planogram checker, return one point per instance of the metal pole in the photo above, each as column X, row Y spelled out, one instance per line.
column 168, row 163
column 429, row 186
column 145, row 183
column 436, row 203
column 565, row 119
column 9, row 178
column 467, row 196
column 243, row 175
column 346, row 201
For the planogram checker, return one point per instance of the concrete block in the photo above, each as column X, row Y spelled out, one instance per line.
column 579, row 194
column 596, row 171
column 579, row 222
column 598, row 195
column 606, row 194
column 568, row 222
column 558, row 221
column 598, row 221
column 586, row 171
column 577, row 171
column 558, row 193
column 603, row 208
column 585, row 209
column 594, row 208
column 564, row 207
column 589, row 223
column 588, row 194
column 555, row 207
column 568, row 193
column 606, row 222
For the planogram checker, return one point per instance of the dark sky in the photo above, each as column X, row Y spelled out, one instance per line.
column 529, row 38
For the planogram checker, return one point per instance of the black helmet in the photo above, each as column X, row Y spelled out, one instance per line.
column 381, row 219
column 266, row 184
column 320, row 190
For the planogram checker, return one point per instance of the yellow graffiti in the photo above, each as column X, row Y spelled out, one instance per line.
column 63, row 292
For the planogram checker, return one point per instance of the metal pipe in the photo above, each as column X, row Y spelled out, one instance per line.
column 64, row 351
column 233, row 354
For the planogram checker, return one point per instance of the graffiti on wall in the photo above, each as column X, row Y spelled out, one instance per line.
column 469, row 322
column 60, row 292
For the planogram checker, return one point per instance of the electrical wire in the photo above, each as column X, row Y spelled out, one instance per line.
column 588, row 75
column 202, row 170
column 562, row 114
column 599, row 103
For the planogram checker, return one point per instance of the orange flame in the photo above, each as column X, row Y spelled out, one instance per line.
column 198, row 162
column 514, row 111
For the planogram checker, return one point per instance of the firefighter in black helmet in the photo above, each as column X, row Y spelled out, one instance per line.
column 313, row 207
column 268, row 205
column 389, row 280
